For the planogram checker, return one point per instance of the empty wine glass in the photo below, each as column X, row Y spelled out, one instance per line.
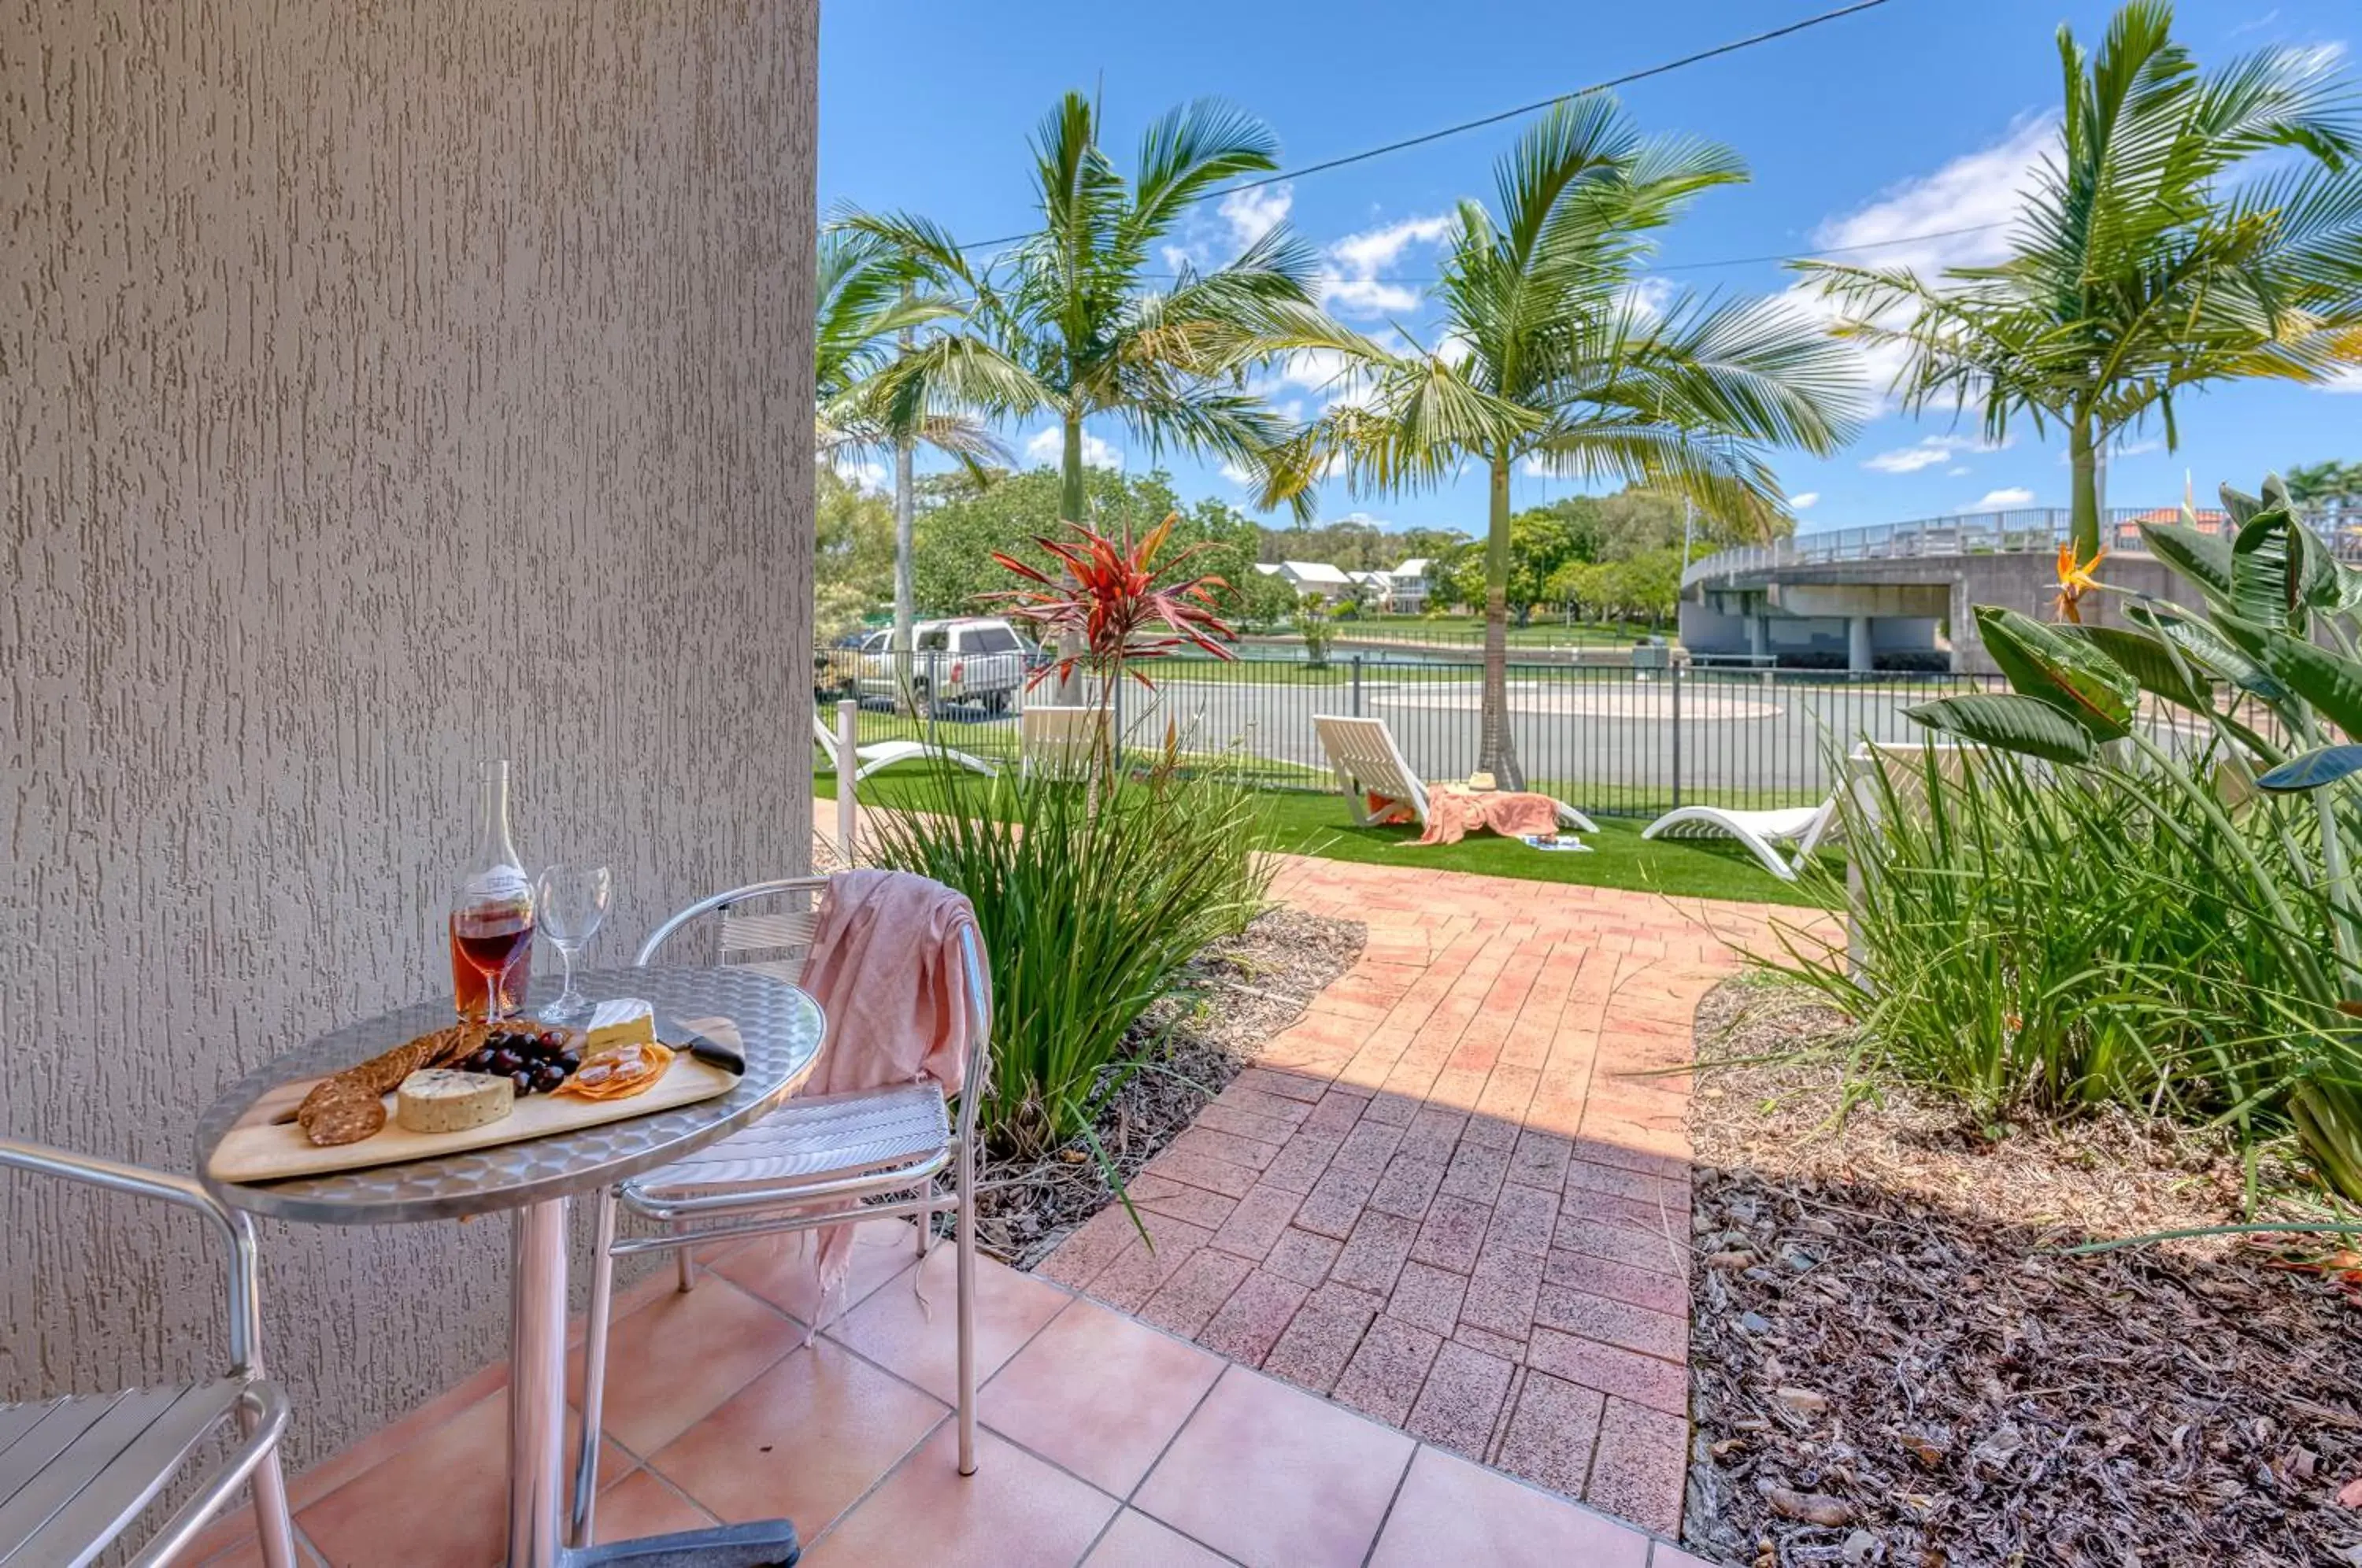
column 570, row 901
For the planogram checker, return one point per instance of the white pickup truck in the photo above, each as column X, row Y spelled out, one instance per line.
column 981, row 660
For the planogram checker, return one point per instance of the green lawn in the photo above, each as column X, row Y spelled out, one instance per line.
column 1302, row 823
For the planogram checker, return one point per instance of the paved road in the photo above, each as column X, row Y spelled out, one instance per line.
column 1610, row 736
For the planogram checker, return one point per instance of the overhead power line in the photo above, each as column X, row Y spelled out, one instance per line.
column 1733, row 47
column 1744, row 260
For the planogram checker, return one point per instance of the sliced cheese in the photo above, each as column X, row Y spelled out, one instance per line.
column 438, row 1099
column 627, row 1021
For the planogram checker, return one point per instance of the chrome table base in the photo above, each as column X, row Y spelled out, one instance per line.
column 538, row 1494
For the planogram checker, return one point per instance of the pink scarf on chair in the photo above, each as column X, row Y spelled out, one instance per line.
column 887, row 970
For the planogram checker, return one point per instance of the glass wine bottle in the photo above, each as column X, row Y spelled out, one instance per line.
column 491, row 912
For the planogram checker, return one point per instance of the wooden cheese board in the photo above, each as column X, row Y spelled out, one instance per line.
column 260, row 1147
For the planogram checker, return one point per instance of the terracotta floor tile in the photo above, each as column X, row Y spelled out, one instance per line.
column 441, row 1500
column 1270, row 1475
column 1461, row 1403
column 1453, row 1511
column 1641, row 1466
column 801, row 1441
column 1135, row 1541
column 1552, row 1433
column 679, row 1356
column 1015, row 1510
column 1098, row 1393
column 246, row 1550
column 1674, row 1557
column 919, row 1341
column 642, row 1502
column 780, row 1268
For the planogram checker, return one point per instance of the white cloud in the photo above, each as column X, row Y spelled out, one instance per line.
column 1648, row 296
column 1237, row 475
column 1984, row 187
column 1804, row 501
column 1048, row 445
column 1928, row 451
column 1956, row 471
column 1254, row 214
column 1996, row 500
column 2345, row 382
column 868, row 475
column 1350, row 280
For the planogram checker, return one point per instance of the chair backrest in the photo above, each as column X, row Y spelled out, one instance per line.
column 1903, row 763
column 1056, row 741
column 1364, row 756
column 825, row 738
column 784, row 919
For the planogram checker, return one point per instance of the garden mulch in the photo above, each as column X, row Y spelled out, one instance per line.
column 1236, row 994
column 1892, row 1362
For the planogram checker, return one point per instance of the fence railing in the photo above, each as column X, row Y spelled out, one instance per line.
column 2038, row 530
column 1612, row 741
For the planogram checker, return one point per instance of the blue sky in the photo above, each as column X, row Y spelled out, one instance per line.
column 1919, row 115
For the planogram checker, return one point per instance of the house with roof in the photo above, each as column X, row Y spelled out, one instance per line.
column 1407, row 586
column 1330, row 582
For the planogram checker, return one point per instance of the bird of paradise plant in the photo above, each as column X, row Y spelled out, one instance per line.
column 1104, row 606
column 2075, row 580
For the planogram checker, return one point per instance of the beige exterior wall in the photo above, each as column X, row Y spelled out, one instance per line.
column 380, row 386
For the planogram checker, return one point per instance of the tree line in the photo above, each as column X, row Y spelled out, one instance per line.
column 2186, row 229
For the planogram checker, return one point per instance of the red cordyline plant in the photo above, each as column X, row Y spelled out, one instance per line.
column 1104, row 613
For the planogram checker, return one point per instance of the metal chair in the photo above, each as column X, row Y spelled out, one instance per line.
column 76, row 1472
column 831, row 1149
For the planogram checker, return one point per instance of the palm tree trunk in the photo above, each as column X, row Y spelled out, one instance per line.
column 1496, row 753
column 1071, row 503
column 905, row 509
column 2083, row 460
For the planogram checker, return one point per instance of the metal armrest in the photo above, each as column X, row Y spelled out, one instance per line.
column 236, row 1230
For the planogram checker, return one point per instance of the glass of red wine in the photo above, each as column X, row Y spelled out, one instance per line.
column 491, row 929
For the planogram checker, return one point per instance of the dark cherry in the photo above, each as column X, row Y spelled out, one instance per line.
column 523, row 1078
column 569, row 1060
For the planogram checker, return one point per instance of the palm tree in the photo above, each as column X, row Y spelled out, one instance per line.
column 872, row 305
column 2134, row 273
column 1550, row 356
column 1065, row 321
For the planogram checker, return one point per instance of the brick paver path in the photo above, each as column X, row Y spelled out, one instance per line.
column 1455, row 1194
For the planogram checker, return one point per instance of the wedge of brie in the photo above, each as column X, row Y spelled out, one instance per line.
column 436, row 1099
column 626, row 1021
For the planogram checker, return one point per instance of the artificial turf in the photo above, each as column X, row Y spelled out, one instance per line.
column 1303, row 822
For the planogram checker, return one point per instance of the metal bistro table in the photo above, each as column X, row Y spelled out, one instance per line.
column 780, row 1029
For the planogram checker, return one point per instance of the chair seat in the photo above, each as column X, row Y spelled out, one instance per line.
column 74, row 1471
column 810, row 1140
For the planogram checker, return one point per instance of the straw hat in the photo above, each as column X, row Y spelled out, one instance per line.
column 1481, row 781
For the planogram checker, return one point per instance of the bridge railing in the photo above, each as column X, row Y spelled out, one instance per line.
column 2037, row 530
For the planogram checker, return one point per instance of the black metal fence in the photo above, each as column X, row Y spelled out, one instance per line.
column 1623, row 741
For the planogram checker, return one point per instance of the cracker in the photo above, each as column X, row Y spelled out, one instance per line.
column 340, row 1112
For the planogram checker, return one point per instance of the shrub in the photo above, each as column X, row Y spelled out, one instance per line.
column 1088, row 913
column 2028, row 939
column 2266, row 668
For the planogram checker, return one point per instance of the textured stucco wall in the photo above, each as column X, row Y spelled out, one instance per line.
column 380, row 386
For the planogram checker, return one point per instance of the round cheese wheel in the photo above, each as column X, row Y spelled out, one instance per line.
column 438, row 1099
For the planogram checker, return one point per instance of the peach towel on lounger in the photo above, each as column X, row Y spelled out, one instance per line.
column 1453, row 813
column 886, row 968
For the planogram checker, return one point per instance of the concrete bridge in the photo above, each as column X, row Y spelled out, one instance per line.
column 1898, row 595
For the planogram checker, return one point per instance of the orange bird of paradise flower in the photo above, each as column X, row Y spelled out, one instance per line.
column 2075, row 579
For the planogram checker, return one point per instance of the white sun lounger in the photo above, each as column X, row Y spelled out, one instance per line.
column 1806, row 828
column 886, row 753
column 1370, row 766
column 1055, row 742
column 1761, row 831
